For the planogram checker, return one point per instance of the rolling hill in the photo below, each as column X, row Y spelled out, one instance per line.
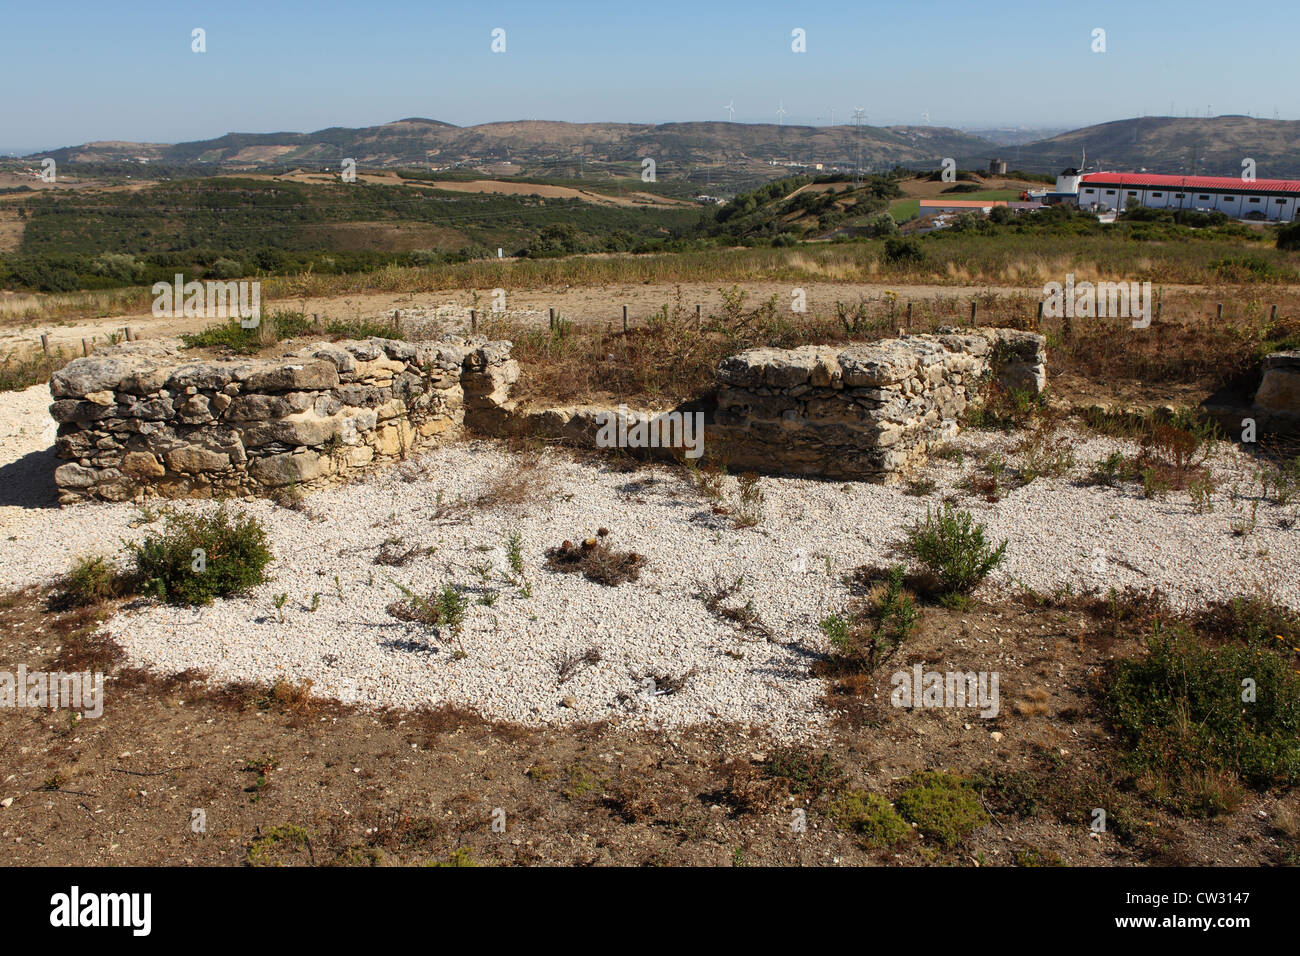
column 1212, row 146
column 546, row 146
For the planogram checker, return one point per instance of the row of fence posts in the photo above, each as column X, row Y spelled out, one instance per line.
column 129, row 333
column 699, row 318
column 87, row 345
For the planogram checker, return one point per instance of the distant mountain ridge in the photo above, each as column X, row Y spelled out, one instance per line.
column 424, row 142
column 1208, row 146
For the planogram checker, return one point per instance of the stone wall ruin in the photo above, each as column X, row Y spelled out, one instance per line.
column 147, row 419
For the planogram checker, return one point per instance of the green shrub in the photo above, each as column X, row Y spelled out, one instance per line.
column 952, row 548
column 880, row 625
column 232, row 335
column 1288, row 237
column 91, row 580
column 903, row 252
column 198, row 557
column 361, row 329
column 872, row 818
column 1180, row 708
column 803, row 772
column 944, row 806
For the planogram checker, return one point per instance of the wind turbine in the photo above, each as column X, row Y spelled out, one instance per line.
column 832, row 116
column 731, row 110
column 780, row 112
column 857, row 167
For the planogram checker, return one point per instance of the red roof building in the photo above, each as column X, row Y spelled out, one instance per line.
column 1269, row 199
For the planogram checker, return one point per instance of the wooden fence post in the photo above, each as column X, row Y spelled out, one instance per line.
column 552, row 312
column 473, row 320
column 45, row 343
column 973, row 319
column 624, row 318
column 85, row 347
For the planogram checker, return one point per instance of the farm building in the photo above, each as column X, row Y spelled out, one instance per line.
column 1271, row 199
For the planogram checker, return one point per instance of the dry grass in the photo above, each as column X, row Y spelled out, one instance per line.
column 596, row 560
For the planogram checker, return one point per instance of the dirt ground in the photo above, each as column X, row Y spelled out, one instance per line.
column 280, row 778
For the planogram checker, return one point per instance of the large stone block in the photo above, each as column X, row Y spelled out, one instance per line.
column 291, row 468
column 311, row 375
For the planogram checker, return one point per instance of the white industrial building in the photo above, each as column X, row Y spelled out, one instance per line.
column 1271, row 199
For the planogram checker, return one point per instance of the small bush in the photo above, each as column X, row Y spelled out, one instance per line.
column 952, row 548
column 944, row 806
column 445, row 607
column 881, row 624
column 903, row 252
column 802, row 772
column 1180, row 707
column 91, row 581
column 872, row 818
column 198, row 557
column 1288, row 237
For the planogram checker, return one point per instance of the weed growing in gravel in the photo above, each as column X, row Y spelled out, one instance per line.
column 1044, row 455
column 1109, row 471
column 945, row 807
column 514, row 549
column 708, row 481
column 952, row 548
column 394, row 553
column 1201, row 492
column 568, row 664
column 715, row 599
column 90, row 582
column 198, row 557
column 882, row 622
column 443, row 611
column 748, row 509
column 920, row 487
column 1282, row 483
column 596, row 561
column 949, row 452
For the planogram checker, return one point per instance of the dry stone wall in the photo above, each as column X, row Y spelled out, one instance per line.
column 147, row 419
column 1278, row 397
column 866, row 412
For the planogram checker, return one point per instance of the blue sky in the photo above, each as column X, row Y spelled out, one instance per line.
column 83, row 71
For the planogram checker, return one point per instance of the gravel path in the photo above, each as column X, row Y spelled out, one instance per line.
column 655, row 629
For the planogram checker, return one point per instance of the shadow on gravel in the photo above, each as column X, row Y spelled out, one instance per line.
column 29, row 481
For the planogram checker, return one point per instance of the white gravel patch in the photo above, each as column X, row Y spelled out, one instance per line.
column 1061, row 534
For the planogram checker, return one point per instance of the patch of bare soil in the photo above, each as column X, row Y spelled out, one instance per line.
column 179, row 772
